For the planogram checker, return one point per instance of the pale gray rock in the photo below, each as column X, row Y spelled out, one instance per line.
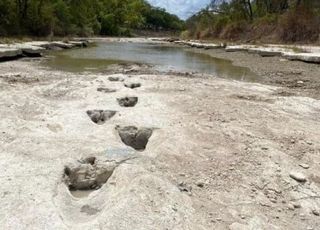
column 9, row 52
column 306, row 57
column 298, row 176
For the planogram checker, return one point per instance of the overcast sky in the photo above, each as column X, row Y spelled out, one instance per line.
column 182, row 8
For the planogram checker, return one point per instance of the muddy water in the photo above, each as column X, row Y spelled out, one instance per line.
column 162, row 57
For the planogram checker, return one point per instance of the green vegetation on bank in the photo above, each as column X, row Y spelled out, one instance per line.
column 82, row 17
column 252, row 20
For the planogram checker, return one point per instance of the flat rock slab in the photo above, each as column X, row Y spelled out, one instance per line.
column 298, row 176
column 27, row 49
column 305, row 57
column 43, row 44
column 180, row 42
column 196, row 44
column 63, row 45
column 199, row 44
column 115, row 78
column 237, row 48
column 56, row 44
column 30, row 50
column 267, row 52
column 212, row 46
column 79, row 43
column 9, row 52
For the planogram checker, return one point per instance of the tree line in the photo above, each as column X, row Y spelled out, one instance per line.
column 82, row 17
column 269, row 20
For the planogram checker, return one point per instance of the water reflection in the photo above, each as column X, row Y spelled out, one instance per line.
column 163, row 57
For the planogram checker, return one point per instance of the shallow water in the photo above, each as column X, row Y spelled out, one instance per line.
column 162, row 57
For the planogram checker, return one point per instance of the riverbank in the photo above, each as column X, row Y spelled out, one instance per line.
column 296, row 78
column 211, row 153
column 274, row 64
column 11, row 51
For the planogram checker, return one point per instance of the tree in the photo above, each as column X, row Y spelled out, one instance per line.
column 80, row 17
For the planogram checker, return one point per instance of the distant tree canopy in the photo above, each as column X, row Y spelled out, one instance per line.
column 82, row 17
column 285, row 20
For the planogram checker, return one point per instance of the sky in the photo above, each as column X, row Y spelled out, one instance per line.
column 182, row 8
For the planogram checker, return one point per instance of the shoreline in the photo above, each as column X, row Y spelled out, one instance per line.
column 13, row 51
column 298, row 78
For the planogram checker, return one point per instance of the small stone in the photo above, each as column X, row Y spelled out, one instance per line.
column 300, row 82
column 309, row 142
column 296, row 205
column 298, row 176
column 273, row 200
column 290, row 207
column 264, row 148
column 305, row 166
column 115, row 78
column 200, row 184
column 316, row 212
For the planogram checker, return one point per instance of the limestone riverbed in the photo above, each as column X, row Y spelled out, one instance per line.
column 178, row 151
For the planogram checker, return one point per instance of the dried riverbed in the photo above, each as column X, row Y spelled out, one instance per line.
column 133, row 148
column 297, row 78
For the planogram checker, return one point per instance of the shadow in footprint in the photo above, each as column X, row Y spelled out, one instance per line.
column 113, row 78
column 132, row 85
column 100, row 116
column 86, row 176
column 128, row 101
column 134, row 137
column 106, row 90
